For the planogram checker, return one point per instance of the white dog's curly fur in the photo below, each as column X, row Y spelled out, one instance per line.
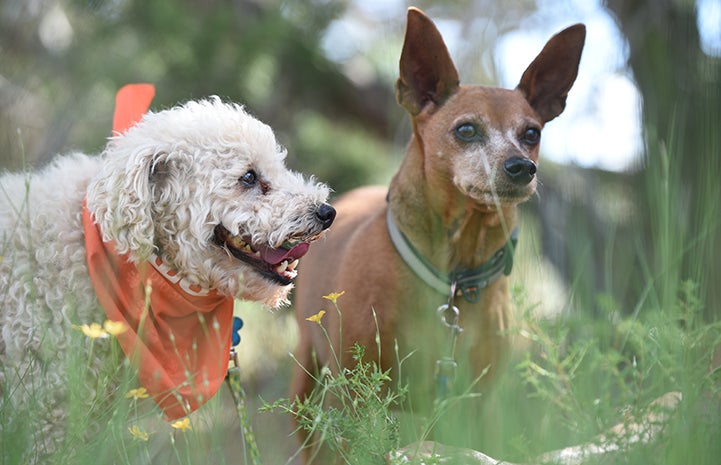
column 186, row 184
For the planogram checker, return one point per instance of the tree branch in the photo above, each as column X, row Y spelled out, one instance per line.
column 617, row 439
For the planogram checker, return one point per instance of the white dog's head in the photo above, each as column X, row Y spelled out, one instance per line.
column 204, row 186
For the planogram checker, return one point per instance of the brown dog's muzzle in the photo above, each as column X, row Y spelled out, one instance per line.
column 519, row 170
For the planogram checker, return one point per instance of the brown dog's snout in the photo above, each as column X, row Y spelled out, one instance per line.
column 519, row 170
column 325, row 215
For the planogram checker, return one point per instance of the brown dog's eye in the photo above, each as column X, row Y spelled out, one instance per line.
column 467, row 132
column 249, row 179
column 531, row 136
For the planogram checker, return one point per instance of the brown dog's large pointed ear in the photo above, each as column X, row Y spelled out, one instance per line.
column 427, row 73
column 547, row 80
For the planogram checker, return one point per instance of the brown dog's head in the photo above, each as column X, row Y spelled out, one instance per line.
column 482, row 140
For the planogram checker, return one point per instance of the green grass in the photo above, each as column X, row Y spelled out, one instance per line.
column 578, row 378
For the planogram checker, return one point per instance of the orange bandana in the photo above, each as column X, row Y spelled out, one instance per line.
column 179, row 341
column 131, row 102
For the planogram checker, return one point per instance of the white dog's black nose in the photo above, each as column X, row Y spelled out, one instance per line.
column 325, row 214
column 519, row 170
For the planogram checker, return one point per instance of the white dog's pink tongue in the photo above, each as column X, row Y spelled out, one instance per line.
column 275, row 256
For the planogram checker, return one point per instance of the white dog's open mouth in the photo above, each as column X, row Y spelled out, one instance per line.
column 277, row 264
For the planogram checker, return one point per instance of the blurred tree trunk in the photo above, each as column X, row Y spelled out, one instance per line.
column 678, row 190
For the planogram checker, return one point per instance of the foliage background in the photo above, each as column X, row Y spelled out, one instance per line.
column 618, row 243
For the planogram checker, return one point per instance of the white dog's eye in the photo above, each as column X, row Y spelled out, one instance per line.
column 249, row 179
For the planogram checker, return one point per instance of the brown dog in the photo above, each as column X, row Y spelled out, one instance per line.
column 447, row 220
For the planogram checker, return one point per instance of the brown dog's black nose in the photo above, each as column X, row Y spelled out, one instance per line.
column 519, row 170
column 325, row 214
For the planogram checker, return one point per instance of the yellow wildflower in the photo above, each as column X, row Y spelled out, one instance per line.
column 182, row 425
column 93, row 330
column 114, row 327
column 139, row 393
column 316, row 318
column 333, row 296
column 138, row 432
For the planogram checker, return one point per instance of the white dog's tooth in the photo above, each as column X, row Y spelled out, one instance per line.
column 282, row 267
column 293, row 264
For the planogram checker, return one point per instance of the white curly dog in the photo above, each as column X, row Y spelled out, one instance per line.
column 202, row 192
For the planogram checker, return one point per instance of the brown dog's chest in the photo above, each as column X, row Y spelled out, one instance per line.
column 422, row 333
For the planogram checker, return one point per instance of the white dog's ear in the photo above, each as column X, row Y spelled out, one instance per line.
column 121, row 199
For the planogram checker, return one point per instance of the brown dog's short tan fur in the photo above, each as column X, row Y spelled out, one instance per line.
column 471, row 160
